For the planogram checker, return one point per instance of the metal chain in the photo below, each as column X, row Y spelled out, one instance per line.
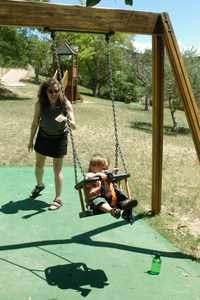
column 118, row 151
column 76, row 161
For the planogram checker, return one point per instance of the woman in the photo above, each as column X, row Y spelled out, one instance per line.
column 50, row 123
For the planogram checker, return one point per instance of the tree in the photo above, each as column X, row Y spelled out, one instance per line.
column 143, row 63
column 14, row 47
column 172, row 95
column 92, row 57
column 124, row 71
column 192, row 61
column 41, row 57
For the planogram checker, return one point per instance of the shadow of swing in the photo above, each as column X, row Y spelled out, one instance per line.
column 76, row 275
column 86, row 239
column 73, row 276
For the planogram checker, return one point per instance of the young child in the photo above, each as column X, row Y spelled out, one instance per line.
column 104, row 195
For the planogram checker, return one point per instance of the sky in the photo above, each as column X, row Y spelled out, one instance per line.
column 184, row 15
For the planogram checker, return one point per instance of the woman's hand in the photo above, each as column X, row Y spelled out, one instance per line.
column 30, row 146
column 61, row 118
column 72, row 125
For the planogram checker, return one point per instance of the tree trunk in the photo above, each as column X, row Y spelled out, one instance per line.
column 36, row 74
column 146, row 103
column 172, row 111
column 96, row 84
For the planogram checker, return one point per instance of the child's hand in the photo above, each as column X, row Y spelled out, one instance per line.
column 102, row 175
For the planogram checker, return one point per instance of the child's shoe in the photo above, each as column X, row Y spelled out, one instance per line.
column 128, row 217
column 128, row 204
column 116, row 213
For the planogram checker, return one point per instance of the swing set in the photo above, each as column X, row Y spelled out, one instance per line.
column 121, row 178
column 106, row 21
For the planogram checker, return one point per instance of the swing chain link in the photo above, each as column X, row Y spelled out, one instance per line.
column 76, row 161
column 118, row 151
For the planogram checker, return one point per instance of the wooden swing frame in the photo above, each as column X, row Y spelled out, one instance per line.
column 93, row 20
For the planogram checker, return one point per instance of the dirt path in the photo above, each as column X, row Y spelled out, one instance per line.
column 13, row 77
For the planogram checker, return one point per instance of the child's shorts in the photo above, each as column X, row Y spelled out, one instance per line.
column 98, row 201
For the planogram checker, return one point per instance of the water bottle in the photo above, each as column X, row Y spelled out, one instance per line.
column 156, row 265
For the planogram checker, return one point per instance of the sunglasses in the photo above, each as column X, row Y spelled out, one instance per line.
column 54, row 91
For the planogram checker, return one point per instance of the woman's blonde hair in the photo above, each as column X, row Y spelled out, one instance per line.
column 98, row 160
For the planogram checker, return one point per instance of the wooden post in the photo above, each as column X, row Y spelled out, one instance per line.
column 81, row 200
column 182, row 79
column 157, row 120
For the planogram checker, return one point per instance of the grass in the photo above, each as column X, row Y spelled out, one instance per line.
column 179, row 220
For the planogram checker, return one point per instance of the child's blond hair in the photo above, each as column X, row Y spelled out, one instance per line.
column 98, row 160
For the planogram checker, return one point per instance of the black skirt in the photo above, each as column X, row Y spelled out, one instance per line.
column 52, row 146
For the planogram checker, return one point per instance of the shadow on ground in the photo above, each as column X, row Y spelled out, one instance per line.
column 147, row 127
column 15, row 98
column 13, row 207
column 85, row 239
column 77, row 275
column 69, row 276
column 74, row 276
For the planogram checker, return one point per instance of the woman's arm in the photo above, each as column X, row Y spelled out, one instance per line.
column 34, row 125
column 61, row 118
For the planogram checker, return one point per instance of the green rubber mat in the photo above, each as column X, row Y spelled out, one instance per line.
column 55, row 255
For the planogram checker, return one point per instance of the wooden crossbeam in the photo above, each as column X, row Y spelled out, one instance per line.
column 185, row 89
column 76, row 18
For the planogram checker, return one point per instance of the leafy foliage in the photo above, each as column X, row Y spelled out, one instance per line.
column 92, row 2
column 132, row 79
column 95, row 2
column 13, row 47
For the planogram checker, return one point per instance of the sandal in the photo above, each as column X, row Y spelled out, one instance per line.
column 36, row 191
column 55, row 205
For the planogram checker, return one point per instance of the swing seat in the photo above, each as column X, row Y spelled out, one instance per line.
column 86, row 209
column 113, row 178
column 89, row 213
column 86, row 213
